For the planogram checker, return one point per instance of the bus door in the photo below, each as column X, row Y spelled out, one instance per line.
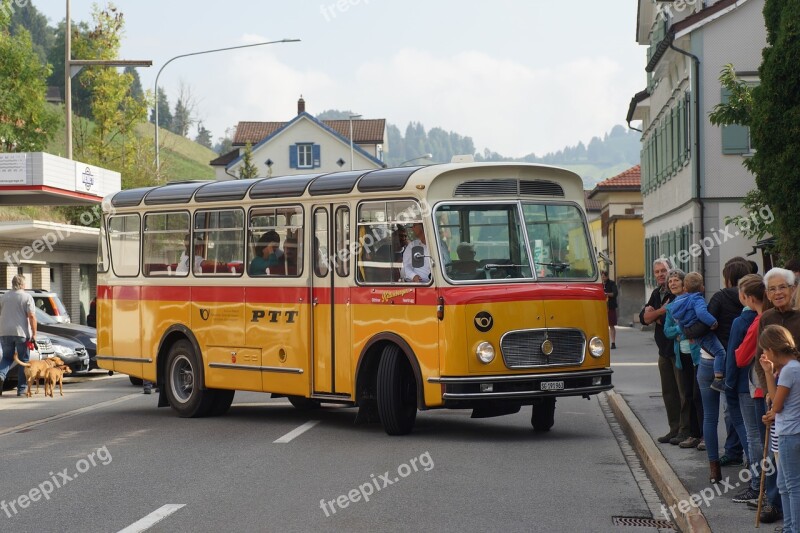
column 330, row 300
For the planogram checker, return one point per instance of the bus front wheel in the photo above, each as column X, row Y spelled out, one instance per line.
column 397, row 392
column 183, row 382
column 543, row 415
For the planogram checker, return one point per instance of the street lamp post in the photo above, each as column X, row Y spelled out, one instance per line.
column 351, row 139
column 423, row 156
column 155, row 113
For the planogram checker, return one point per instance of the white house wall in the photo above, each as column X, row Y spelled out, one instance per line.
column 725, row 176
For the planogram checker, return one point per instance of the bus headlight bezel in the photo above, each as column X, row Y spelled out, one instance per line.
column 597, row 347
column 485, row 352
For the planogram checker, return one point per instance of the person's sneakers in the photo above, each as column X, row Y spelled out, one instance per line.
column 702, row 445
column 21, row 392
column 691, row 442
column 718, row 385
column 663, row 439
column 613, row 345
column 148, row 391
column 727, row 460
column 769, row 514
column 677, row 439
column 747, row 495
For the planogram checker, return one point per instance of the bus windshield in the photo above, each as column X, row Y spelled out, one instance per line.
column 489, row 241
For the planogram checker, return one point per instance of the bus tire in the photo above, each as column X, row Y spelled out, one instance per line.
column 222, row 402
column 304, row 404
column 397, row 392
column 543, row 414
column 137, row 382
column 183, row 382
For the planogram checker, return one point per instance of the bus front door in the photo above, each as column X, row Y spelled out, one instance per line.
column 330, row 301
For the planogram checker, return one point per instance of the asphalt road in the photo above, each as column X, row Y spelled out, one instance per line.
column 108, row 459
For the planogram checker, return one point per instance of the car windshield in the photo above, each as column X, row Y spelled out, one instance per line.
column 489, row 241
column 44, row 318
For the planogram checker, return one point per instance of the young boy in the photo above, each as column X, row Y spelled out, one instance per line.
column 687, row 310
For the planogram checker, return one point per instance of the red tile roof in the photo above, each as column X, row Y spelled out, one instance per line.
column 630, row 180
column 365, row 131
column 592, row 204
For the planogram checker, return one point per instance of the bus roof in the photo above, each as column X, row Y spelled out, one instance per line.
column 451, row 179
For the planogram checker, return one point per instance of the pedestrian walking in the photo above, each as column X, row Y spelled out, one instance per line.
column 17, row 330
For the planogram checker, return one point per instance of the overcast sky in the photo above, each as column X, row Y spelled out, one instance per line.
column 516, row 76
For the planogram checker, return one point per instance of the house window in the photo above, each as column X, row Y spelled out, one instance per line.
column 304, row 155
column 304, row 159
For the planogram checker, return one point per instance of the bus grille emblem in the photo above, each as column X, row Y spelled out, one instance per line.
column 547, row 347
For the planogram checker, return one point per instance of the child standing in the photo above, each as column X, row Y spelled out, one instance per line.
column 780, row 356
column 687, row 310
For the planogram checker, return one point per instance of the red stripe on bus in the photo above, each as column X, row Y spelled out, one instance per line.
column 518, row 292
column 166, row 293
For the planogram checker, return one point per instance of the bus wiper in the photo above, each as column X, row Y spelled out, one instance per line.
column 492, row 266
column 554, row 266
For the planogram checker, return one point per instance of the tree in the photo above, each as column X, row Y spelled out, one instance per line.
column 136, row 92
column 27, row 122
column 183, row 118
column 26, row 16
column 775, row 122
column 248, row 169
column 112, row 141
column 203, row 136
column 81, row 93
column 164, row 113
column 225, row 143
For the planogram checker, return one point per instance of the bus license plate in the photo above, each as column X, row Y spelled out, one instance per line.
column 551, row 385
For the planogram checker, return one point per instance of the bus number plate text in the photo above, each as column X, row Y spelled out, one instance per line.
column 551, row 385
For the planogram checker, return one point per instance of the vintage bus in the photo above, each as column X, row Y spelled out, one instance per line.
column 464, row 286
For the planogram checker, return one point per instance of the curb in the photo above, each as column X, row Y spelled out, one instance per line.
column 659, row 470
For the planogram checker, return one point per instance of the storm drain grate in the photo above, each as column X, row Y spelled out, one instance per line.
column 635, row 521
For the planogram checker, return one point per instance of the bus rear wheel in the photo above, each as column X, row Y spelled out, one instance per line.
column 543, row 415
column 222, row 402
column 397, row 392
column 184, row 382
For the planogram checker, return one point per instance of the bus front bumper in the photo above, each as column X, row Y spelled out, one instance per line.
column 525, row 386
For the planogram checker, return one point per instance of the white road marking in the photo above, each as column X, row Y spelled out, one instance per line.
column 153, row 518
column 634, row 364
column 68, row 414
column 297, row 432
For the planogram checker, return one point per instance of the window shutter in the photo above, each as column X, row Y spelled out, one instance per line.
column 735, row 138
column 293, row 156
column 315, row 155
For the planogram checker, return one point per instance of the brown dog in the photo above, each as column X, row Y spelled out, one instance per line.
column 55, row 376
column 36, row 369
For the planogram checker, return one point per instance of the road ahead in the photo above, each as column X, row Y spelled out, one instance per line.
column 108, row 458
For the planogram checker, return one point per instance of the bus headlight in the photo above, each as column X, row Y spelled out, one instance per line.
column 596, row 347
column 485, row 352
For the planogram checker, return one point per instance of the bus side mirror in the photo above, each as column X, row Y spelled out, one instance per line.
column 417, row 256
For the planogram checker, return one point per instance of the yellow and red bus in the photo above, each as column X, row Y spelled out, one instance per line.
column 464, row 286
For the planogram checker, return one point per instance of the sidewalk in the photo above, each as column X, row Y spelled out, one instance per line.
column 681, row 475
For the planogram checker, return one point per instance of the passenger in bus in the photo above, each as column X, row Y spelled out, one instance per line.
column 199, row 260
column 268, row 254
column 288, row 266
column 422, row 272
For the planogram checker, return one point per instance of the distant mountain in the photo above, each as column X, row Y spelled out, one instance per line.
column 602, row 158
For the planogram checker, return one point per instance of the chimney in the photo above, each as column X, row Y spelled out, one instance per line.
column 301, row 105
